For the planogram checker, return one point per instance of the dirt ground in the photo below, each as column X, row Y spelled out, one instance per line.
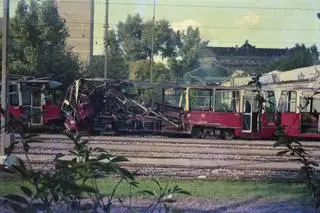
column 258, row 205
column 196, row 205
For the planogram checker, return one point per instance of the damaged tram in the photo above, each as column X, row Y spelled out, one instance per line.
column 110, row 107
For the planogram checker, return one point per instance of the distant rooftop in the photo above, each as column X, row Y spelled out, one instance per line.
column 245, row 50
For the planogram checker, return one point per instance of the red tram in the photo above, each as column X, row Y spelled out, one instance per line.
column 299, row 113
column 108, row 107
column 35, row 102
column 224, row 112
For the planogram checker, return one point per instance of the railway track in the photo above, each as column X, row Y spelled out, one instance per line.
column 182, row 157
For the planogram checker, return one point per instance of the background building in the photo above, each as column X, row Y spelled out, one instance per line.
column 79, row 17
column 247, row 57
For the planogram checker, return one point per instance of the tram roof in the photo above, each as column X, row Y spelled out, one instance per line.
column 51, row 83
column 160, row 85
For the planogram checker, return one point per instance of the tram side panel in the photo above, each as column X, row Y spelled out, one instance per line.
column 299, row 113
column 52, row 114
column 213, row 112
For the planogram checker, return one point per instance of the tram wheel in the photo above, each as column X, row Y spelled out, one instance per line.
column 196, row 132
column 228, row 134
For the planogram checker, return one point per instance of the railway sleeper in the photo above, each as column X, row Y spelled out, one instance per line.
column 212, row 132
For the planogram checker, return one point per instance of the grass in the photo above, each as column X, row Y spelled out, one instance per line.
column 211, row 189
column 220, row 190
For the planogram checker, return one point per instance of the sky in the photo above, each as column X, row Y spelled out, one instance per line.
column 225, row 23
column 264, row 23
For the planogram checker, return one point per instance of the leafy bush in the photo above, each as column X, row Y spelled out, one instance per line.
column 71, row 178
column 308, row 172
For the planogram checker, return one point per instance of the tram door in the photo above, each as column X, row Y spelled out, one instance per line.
column 31, row 101
column 310, row 113
column 36, row 108
column 249, row 115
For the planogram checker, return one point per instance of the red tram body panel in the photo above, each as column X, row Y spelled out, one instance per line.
column 224, row 112
column 15, row 111
column 196, row 110
column 51, row 113
column 216, row 120
column 299, row 113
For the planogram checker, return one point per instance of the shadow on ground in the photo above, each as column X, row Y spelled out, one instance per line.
column 193, row 205
column 258, row 205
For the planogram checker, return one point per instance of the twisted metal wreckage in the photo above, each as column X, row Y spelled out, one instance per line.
column 109, row 107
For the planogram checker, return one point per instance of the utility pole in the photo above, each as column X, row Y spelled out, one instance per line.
column 152, row 40
column 91, row 30
column 106, row 41
column 4, row 89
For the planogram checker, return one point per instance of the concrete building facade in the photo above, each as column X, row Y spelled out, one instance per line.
column 79, row 17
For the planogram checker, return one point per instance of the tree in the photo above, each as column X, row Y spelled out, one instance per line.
column 20, row 40
column 189, row 46
column 130, row 33
column 135, row 37
column 140, row 70
column 39, row 46
column 164, row 39
column 117, row 64
column 299, row 56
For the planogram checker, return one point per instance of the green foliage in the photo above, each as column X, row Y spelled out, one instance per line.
column 165, row 39
column 308, row 172
column 140, row 70
column 163, row 196
column 117, row 64
column 38, row 42
column 70, row 179
column 135, row 37
column 129, row 35
column 298, row 56
column 294, row 148
column 255, row 83
column 130, row 50
column 188, row 53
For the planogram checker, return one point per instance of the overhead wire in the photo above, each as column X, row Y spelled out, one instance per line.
column 187, row 5
column 200, row 27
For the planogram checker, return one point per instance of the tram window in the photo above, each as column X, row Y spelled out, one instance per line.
column 183, row 99
column 46, row 99
column 14, row 96
column 271, row 106
column 26, row 97
column 200, row 99
column 316, row 105
column 288, row 101
column 304, row 104
column 58, row 97
column 310, row 105
column 172, row 97
column 227, row 101
column 36, row 98
column 292, row 101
